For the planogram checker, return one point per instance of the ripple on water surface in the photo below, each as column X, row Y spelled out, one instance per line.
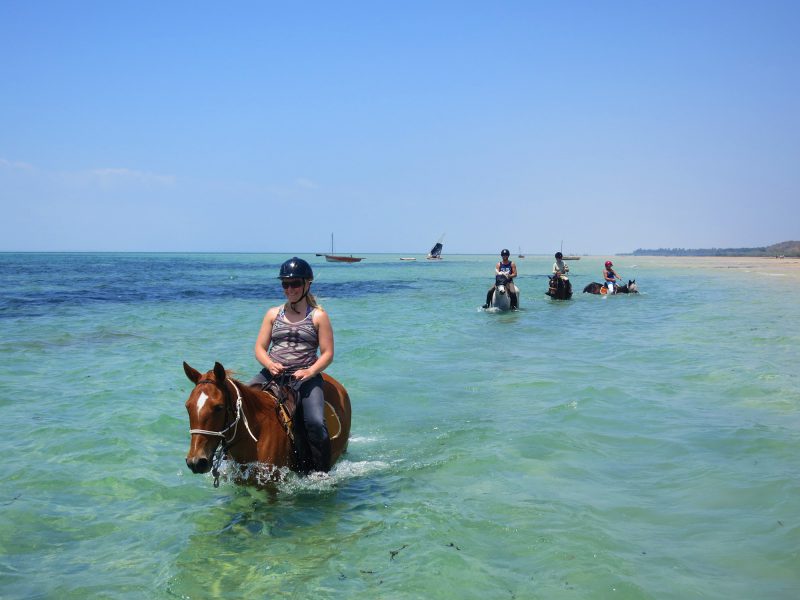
column 631, row 446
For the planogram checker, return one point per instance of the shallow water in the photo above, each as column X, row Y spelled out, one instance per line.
column 635, row 446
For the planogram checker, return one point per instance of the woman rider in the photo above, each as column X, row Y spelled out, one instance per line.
column 610, row 276
column 287, row 345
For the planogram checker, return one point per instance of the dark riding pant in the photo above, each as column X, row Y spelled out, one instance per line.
column 311, row 439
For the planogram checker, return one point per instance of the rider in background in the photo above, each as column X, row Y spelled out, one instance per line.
column 295, row 344
column 509, row 269
column 560, row 267
column 610, row 276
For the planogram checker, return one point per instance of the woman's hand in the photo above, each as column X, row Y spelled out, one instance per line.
column 275, row 369
column 303, row 374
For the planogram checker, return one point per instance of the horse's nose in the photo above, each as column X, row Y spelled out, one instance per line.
column 198, row 465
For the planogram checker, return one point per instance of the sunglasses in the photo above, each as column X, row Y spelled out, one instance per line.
column 292, row 284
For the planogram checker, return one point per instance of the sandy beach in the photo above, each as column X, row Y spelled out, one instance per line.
column 782, row 267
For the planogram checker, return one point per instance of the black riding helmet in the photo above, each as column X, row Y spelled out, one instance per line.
column 559, row 256
column 296, row 268
column 505, row 252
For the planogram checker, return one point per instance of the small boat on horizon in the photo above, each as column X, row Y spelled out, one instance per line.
column 568, row 256
column 340, row 257
column 436, row 251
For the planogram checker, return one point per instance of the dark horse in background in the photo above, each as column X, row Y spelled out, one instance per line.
column 599, row 288
column 559, row 288
column 249, row 426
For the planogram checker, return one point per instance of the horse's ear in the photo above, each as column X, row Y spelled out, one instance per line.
column 192, row 374
column 220, row 373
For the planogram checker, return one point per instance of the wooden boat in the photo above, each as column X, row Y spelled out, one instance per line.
column 569, row 256
column 340, row 257
column 344, row 259
column 520, row 255
column 436, row 251
column 407, row 258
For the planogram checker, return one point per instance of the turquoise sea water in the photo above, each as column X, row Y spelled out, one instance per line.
column 628, row 447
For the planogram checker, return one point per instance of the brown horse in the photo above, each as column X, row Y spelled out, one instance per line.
column 599, row 288
column 559, row 288
column 227, row 417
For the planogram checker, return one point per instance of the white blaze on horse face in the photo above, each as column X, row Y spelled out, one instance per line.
column 201, row 402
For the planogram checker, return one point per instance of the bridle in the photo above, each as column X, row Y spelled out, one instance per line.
column 240, row 415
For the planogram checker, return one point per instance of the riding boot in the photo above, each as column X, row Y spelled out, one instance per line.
column 514, row 301
column 489, row 298
column 312, row 416
column 320, row 447
column 302, row 453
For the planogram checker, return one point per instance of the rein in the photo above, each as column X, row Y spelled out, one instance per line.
column 281, row 393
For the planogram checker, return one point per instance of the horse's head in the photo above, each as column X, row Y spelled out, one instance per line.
column 632, row 287
column 211, row 412
column 500, row 283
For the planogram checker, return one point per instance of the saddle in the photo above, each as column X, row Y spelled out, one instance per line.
column 286, row 400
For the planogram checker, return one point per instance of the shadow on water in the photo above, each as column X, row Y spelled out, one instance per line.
column 252, row 543
column 65, row 280
column 258, row 541
column 35, row 303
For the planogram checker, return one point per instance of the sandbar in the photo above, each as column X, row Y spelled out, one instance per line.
column 769, row 266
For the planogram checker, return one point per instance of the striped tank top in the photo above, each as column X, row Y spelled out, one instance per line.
column 294, row 345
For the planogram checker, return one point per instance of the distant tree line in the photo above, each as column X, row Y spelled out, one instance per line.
column 783, row 249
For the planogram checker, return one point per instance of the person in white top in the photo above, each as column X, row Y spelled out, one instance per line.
column 560, row 267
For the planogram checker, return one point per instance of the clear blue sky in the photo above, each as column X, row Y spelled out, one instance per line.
column 265, row 126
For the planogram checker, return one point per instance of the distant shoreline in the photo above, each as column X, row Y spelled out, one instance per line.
column 782, row 249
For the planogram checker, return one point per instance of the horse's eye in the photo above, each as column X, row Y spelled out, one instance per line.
column 218, row 408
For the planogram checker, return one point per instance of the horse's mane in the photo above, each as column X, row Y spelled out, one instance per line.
column 246, row 389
